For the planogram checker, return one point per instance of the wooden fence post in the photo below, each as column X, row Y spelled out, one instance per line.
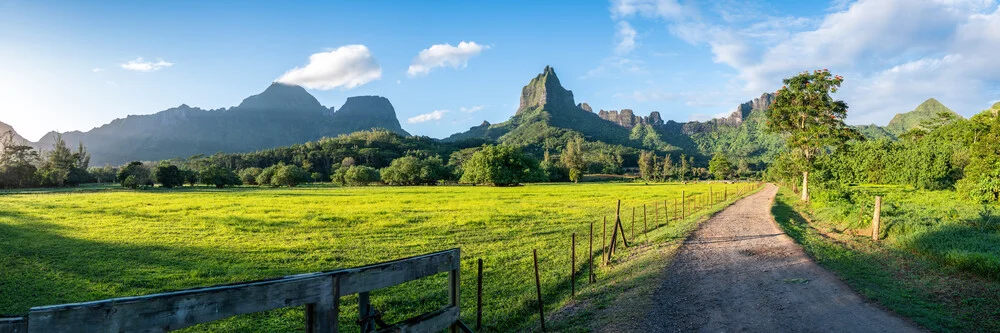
column 666, row 213
column 656, row 210
column 454, row 292
column 633, row 223
column 877, row 217
column 604, row 238
column 538, row 289
column 592, row 278
column 572, row 267
column 645, row 227
column 683, row 206
column 479, row 296
column 364, row 311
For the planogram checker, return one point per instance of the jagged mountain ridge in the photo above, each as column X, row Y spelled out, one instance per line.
column 281, row 115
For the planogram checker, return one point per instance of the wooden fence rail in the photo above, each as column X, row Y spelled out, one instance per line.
column 320, row 292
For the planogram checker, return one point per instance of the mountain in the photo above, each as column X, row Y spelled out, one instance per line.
column 926, row 111
column 549, row 115
column 4, row 129
column 281, row 115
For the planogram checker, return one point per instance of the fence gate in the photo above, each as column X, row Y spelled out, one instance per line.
column 320, row 293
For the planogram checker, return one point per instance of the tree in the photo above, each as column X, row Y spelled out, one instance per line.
column 169, row 176
column 646, row 165
column 553, row 170
column 249, row 175
column 265, row 176
column 411, row 170
column 685, row 168
column 190, row 177
column 720, row 167
column 668, row 168
column 501, row 165
column 360, row 175
column 317, row 177
column 134, row 175
column 219, row 176
column 572, row 158
column 103, row 174
column 62, row 167
column 289, row 175
column 17, row 163
column 812, row 120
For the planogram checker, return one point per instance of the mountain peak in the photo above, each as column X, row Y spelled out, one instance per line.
column 366, row 112
column 280, row 96
column 545, row 91
column 931, row 104
column 928, row 110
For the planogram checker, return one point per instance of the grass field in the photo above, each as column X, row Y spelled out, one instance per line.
column 925, row 267
column 78, row 246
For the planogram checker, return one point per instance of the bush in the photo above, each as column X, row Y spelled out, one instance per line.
column 219, row 176
column 130, row 182
column 360, row 175
column 264, row 178
column 501, row 166
column 411, row 170
column 289, row 175
column 317, row 177
column 139, row 173
column 191, row 177
column 249, row 175
column 169, row 176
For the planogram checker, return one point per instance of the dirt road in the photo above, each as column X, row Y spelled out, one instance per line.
column 739, row 272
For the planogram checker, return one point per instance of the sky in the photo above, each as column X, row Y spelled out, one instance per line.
column 447, row 66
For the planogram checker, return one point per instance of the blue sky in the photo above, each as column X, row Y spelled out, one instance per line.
column 74, row 65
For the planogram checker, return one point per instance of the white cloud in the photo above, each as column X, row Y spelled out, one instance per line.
column 666, row 9
column 140, row 65
column 626, row 38
column 444, row 55
column 96, row 70
column 346, row 67
column 893, row 53
column 471, row 109
column 434, row 115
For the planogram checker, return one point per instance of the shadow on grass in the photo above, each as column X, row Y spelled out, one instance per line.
column 926, row 292
column 42, row 266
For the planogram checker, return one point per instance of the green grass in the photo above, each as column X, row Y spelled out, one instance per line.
column 60, row 247
column 937, row 224
column 898, row 273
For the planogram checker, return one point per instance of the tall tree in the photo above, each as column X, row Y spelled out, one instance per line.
column 812, row 120
column 720, row 167
column 646, row 165
column 572, row 158
column 668, row 168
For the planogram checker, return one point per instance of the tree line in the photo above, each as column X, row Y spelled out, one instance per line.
column 942, row 153
column 360, row 158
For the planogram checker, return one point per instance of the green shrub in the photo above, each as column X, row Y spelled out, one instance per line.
column 360, row 175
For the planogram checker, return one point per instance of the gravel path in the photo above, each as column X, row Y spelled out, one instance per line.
column 739, row 272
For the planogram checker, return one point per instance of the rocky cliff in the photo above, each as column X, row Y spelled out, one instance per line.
column 626, row 118
column 545, row 92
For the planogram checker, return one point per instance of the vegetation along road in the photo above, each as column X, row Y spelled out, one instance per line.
column 739, row 272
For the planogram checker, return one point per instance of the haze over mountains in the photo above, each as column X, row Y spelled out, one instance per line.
column 548, row 116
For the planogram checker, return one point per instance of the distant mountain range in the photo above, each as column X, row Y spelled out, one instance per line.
column 281, row 115
column 548, row 116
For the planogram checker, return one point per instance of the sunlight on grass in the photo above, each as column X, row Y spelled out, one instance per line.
column 69, row 247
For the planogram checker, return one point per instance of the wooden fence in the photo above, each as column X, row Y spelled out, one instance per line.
column 320, row 293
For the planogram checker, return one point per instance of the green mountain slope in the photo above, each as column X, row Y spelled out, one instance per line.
column 926, row 111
